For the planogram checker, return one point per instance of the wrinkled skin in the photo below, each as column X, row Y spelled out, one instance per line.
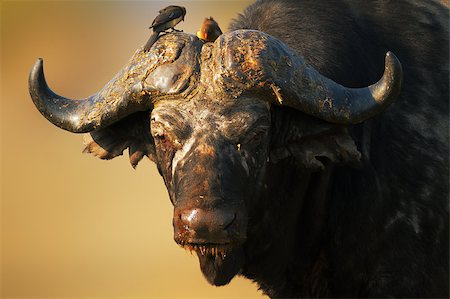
column 222, row 156
column 211, row 160
column 214, row 155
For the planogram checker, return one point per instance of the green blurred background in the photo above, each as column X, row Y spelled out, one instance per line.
column 74, row 226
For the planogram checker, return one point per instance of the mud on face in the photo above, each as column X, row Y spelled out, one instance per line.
column 212, row 155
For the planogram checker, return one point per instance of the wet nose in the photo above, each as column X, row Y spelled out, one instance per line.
column 207, row 222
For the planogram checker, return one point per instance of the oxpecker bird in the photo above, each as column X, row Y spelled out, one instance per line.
column 209, row 31
column 167, row 19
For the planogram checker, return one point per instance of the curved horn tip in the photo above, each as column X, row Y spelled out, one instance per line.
column 393, row 64
column 50, row 105
column 38, row 65
column 37, row 85
column 386, row 90
column 395, row 73
column 36, row 75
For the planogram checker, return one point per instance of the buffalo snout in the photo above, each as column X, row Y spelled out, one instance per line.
column 209, row 226
column 204, row 222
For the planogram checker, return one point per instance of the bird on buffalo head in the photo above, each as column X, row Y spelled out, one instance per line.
column 209, row 31
column 167, row 19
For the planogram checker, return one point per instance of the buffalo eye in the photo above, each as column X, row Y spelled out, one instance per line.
column 163, row 140
column 255, row 138
column 161, row 137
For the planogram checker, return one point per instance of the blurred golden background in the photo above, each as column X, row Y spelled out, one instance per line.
column 74, row 226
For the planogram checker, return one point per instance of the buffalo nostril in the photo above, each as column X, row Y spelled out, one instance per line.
column 200, row 220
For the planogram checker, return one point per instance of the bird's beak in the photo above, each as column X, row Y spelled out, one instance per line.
column 200, row 35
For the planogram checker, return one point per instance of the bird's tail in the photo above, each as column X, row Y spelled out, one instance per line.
column 152, row 39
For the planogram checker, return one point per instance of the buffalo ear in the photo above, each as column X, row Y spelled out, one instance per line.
column 132, row 132
column 311, row 141
column 337, row 147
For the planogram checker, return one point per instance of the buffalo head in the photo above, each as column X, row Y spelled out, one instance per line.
column 204, row 114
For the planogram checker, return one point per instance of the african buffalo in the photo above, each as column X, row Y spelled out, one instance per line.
column 276, row 170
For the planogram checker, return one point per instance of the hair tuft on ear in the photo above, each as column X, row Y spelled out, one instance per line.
column 132, row 132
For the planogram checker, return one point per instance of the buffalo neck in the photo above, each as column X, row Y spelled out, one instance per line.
column 289, row 245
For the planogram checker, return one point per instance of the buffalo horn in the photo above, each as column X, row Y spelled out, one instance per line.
column 320, row 96
column 255, row 61
column 113, row 102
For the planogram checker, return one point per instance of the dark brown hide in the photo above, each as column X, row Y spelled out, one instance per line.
column 209, row 110
column 211, row 154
